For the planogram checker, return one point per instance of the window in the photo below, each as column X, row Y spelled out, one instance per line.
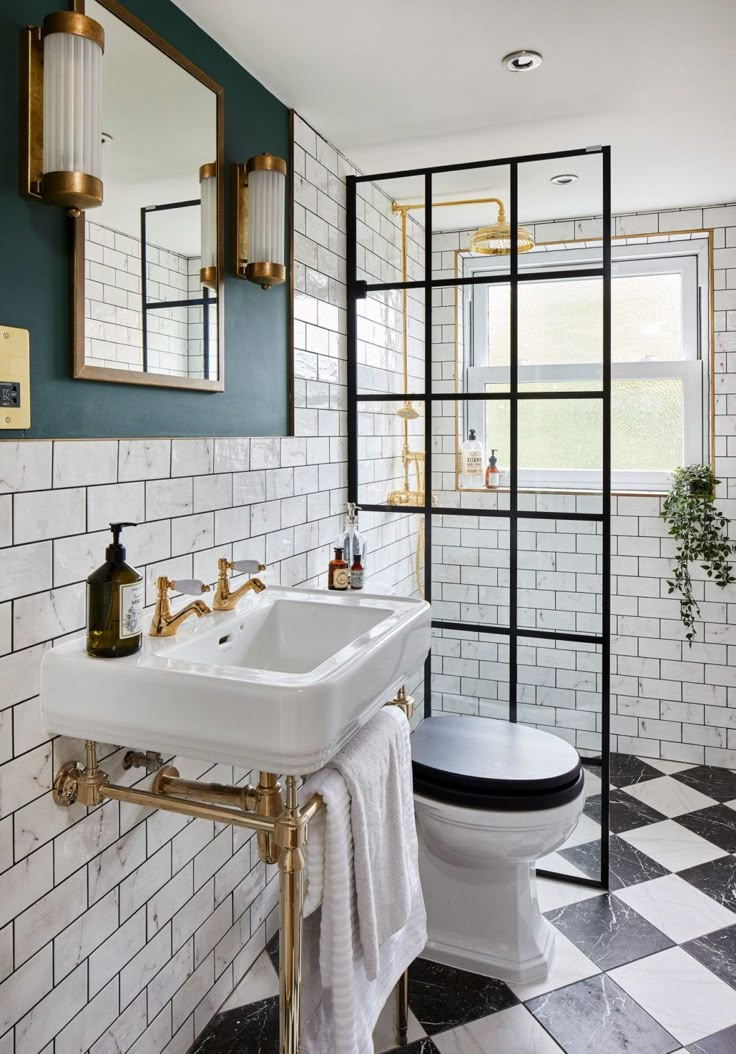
column 659, row 380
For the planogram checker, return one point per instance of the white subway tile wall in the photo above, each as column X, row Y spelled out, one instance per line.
column 121, row 929
column 669, row 700
column 113, row 306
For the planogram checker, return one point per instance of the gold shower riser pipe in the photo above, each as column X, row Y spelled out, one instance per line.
column 396, row 207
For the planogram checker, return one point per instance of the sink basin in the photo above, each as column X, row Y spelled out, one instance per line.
column 279, row 684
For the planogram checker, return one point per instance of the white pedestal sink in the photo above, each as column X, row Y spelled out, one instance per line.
column 279, row 684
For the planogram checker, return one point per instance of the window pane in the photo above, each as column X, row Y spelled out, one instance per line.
column 562, row 321
column 647, row 421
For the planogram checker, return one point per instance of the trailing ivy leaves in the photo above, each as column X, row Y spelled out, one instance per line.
column 702, row 533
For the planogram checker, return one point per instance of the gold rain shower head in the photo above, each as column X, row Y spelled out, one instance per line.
column 495, row 240
column 407, row 412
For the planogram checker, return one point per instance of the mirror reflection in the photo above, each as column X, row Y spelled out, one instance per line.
column 151, row 284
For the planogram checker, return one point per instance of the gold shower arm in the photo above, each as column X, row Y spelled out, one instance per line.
column 397, row 208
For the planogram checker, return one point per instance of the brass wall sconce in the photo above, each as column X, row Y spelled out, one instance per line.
column 61, row 111
column 208, row 196
column 259, row 210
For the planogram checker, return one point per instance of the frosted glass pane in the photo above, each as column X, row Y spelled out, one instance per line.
column 562, row 321
column 647, row 420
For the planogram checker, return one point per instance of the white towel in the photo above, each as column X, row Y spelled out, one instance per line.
column 376, row 767
column 340, row 1001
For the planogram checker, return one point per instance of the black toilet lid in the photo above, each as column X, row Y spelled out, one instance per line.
column 485, row 763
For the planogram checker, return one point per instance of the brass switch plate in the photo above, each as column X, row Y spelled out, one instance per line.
column 15, row 378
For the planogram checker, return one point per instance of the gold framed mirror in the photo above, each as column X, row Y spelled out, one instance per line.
column 148, row 264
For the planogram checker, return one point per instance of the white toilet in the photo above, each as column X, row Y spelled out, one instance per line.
column 491, row 799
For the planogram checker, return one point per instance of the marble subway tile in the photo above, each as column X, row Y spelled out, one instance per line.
column 36, row 926
column 25, row 569
column 168, row 981
column 191, row 457
column 112, row 866
column 121, row 947
column 25, row 987
column 91, row 1023
column 47, row 615
column 25, row 778
column 232, row 454
column 116, row 502
column 6, row 520
column 25, row 466
column 49, row 1016
column 145, row 881
column 189, row 533
column 144, row 459
column 81, row 843
column 213, row 492
column 40, row 821
column 144, row 966
column 74, row 944
column 169, row 497
column 122, row 1033
column 48, row 514
column 83, row 463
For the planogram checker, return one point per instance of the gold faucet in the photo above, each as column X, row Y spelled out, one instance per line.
column 164, row 624
column 225, row 598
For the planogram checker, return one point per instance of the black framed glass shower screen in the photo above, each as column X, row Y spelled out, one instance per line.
column 520, row 584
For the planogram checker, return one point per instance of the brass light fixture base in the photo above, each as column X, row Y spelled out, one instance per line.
column 71, row 190
column 208, row 277
column 265, row 274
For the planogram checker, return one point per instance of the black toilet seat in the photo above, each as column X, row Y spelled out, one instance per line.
column 484, row 763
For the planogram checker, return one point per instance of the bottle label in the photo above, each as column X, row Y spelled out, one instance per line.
column 341, row 578
column 357, row 578
column 131, row 609
column 473, row 463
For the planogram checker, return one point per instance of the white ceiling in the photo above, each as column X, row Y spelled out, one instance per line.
column 401, row 83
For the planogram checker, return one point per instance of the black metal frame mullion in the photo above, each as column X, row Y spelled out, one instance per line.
column 358, row 289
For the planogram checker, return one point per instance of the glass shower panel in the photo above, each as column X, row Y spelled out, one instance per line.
column 390, row 454
column 470, row 674
column 390, row 238
column 470, row 570
column 390, row 342
column 470, row 212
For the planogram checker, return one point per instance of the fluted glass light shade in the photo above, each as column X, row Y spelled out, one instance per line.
column 495, row 240
column 266, row 220
column 73, row 45
column 208, row 194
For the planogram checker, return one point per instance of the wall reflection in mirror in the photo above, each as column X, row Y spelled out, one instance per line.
column 151, row 296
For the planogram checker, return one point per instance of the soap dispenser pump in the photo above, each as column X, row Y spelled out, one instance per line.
column 351, row 541
column 115, row 603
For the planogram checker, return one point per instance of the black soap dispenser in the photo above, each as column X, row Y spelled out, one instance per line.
column 115, row 604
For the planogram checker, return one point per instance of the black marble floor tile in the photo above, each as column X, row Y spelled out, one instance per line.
column 716, row 878
column 717, row 824
column 627, row 813
column 608, row 931
column 719, row 784
column 253, row 1028
column 719, row 1043
column 419, row 1046
column 628, row 866
column 593, row 808
column 625, row 769
column 717, row 951
column 597, row 1016
column 442, row 998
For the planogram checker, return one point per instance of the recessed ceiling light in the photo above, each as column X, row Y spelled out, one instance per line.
column 105, row 137
column 564, row 179
column 522, row 61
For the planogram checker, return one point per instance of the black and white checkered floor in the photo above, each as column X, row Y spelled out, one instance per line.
column 649, row 968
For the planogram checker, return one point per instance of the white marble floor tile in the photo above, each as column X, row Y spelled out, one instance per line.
column 384, row 1034
column 672, row 845
column 668, row 767
column 669, row 796
column 552, row 894
column 592, row 783
column 568, row 965
column 510, row 1030
column 261, row 982
column 587, row 830
column 676, row 908
column 685, row 998
column 560, row 866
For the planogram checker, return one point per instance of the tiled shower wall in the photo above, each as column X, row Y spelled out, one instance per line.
column 123, row 930
column 669, row 700
column 113, row 306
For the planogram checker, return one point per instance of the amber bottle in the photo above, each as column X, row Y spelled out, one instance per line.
column 357, row 574
column 338, row 574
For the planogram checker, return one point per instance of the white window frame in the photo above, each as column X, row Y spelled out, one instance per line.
column 690, row 260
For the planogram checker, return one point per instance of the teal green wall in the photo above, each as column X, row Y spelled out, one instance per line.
column 34, row 283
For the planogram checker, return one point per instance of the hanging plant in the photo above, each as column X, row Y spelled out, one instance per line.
column 702, row 533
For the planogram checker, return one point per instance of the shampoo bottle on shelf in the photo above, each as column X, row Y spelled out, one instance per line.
column 493, row 473
column 471, row 463
column 115, row 600
column 351, row 541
